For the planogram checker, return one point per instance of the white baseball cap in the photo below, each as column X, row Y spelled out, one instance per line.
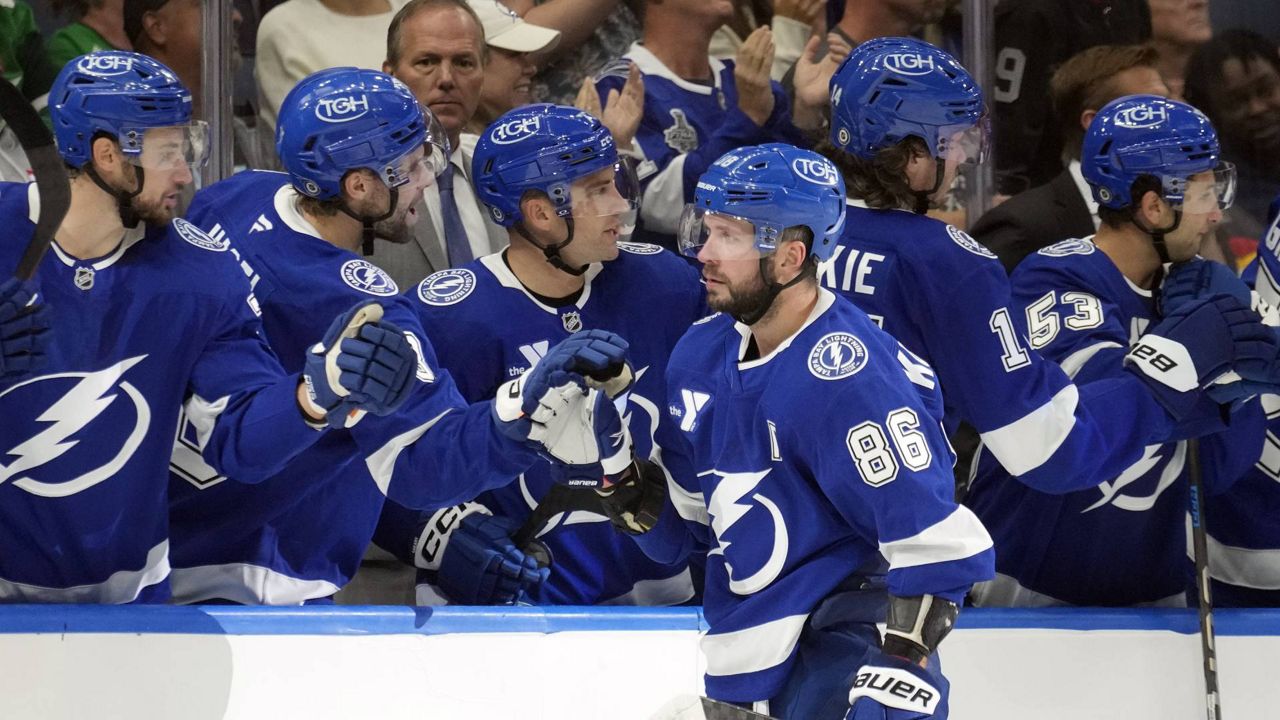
column 505, row 29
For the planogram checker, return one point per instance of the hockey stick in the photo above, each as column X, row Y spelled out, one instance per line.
column 560, row 498
column 1199, row 544
column 50, row 172
column 692, row 707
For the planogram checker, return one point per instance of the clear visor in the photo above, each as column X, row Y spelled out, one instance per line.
column 1209, row 191
column 966, row 145
column 708, row 235
column 608, row 192
column 421, row 167
column 166, row 148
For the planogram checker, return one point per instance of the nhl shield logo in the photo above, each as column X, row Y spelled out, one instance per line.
column 572, row 321
column 84, row 278
column 681, row 137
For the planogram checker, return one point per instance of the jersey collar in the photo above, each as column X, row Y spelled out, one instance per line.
column 649, row 64
column 286, row 203
column 493, row 263
column 825, row 300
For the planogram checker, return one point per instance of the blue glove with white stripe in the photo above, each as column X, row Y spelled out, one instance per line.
column 24, row 331
column 474, row 559
column 890, row 688
column 362, row 365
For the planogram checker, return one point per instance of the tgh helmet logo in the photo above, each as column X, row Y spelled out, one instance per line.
column 818, row 172
column 1142, row 116
column 909, row 64
column 105, row 64
column 513, row 131
column 342, row 109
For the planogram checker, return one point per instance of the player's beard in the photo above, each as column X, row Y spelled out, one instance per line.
column 153, row 212
column 394, row 229
column 743, row 300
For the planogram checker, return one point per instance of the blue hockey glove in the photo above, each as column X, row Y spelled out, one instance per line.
column 362, row 365
column 474, row 559
column 24, row 331
column 549, row 406
column 890, row 688
column 1199, row 278
column 1212, row 343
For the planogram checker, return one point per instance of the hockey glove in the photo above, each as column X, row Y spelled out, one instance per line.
column 890, row 688
column 362, row 365
column 24, row 331
column 634, row 503
column 1199, row 278
column 474, row 559
column 549, row 406
column 1211, row 343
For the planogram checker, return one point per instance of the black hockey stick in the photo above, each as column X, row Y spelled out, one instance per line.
column 1199, row 544
column 46, row 164
column 560, row 498
column 692, row 707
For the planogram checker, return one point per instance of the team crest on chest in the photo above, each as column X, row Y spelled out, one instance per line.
column 84, row 278
column 367, row 277
column 447, row 287
column 681, row 136
column 837, row 356
column 572, row 321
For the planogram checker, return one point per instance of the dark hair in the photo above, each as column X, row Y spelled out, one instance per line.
column 413, row 7
column 1115, row 218
column 881, row 182
column 802, row 233
column 1204, row 69
column 1084, row 82
column 75, row 8
column 134, row 12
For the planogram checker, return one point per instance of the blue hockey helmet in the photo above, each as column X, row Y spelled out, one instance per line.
column 772, row 187
column 122, row 95
column 345, row 118
column 892, row 88
column 1150, row 135
column 545, row 147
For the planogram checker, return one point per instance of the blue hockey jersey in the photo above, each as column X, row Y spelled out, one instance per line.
column 799, row 469
column 301, row 535
column 1122, row 542
column 1243, row 536
column 489, row 328
column 946, row 297
column 84, row 447
column 686, row 126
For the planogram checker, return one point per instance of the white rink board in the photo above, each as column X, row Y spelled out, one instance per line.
column 393, row 663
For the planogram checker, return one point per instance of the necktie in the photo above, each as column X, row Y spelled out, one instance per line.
column 455, row 235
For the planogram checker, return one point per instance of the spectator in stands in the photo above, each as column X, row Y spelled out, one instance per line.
column 696, row 108
column 1064, row 207
column 1235, row 79
column 23, row 62
column 593, row 33
column 1178, row 27
column 792, row 22
column 437, row 48
column 300, row 37
column 1034, row 37
column 98, row 25
column 512, row 49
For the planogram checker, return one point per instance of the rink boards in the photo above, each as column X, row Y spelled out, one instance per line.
column 389, row 663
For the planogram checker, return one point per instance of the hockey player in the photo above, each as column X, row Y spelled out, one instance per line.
column 83, row 504
column 810, row 452
column 550, row 174
column 904, row 115
column 1086, row 302
column 352, row 142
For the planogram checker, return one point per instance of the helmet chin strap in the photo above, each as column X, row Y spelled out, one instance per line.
column 552, row 252
column 124, row 199
column 772, row 289
column 923, row 196
column 1157, row 235
column 367, row 221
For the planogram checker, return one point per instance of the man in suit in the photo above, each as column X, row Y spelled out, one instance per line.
column 437, row 48
column 1064, row 207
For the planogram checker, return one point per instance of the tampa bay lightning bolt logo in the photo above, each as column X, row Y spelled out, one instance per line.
column 733, row 499
column 446, row 287
column 367, row 277
column 198, row 237
column 1068, row 247
column 639, row 248
column 100, row 404
column 837, row 356
column 962, row 239
column 818, row 171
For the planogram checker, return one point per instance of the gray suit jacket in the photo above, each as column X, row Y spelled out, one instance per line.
column 409, row 262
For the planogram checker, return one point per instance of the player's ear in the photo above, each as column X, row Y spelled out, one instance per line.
column 1086, row 117
column 357, row 185
column 1152, row 208
column 537, row 210
column 105, row 154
